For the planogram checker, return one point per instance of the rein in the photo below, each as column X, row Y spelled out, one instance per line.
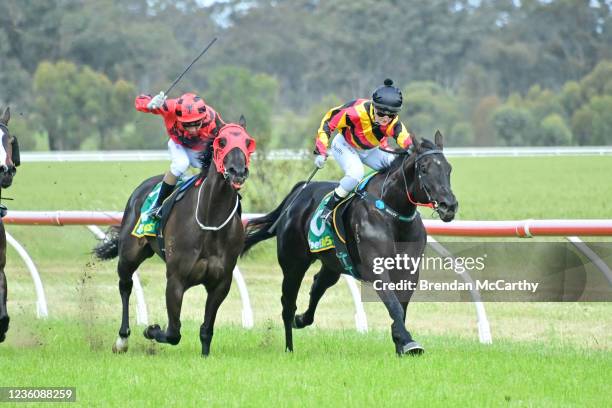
column 209, row 228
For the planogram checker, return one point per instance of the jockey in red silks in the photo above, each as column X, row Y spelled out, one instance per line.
column 362, row 126
column 192, row 126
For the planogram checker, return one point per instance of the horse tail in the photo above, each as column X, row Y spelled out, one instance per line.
column 258, row 229
column 108, row 248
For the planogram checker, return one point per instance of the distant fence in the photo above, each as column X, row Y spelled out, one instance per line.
column 294, row 154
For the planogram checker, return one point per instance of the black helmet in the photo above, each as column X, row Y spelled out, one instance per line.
column 387, row 98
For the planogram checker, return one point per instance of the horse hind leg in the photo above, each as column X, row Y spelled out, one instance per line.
column 216, row 296
column 125, row 269
column 323, row 280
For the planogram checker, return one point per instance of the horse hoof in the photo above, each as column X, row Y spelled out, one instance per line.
column 298, row 322
column 412, row 349
column 120, row 345
column 149, row 332
column 173, row 340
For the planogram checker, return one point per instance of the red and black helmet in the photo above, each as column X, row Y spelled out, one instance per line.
column 190, row 108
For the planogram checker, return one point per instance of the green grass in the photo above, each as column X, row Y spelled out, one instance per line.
column 543, row 353
column 328, row 368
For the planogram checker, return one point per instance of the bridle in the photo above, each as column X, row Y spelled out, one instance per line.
column 433, row 204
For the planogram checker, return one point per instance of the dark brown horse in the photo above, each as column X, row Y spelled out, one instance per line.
column 423, row 176
column 203, row 238
column 9, row 158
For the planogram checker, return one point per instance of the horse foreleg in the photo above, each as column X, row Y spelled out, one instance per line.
column 404, row 344
column 4, row 318
column 323, row 280
column 174, row 301
column 216, row 296
column 396, row 339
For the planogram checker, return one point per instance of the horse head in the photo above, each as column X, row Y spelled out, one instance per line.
column 432, row 172
column 232, row 151
column 9, row 152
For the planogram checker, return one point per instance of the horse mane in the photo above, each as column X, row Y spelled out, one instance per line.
column 426, row 144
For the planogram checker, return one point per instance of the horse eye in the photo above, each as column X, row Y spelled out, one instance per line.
column 222, row 142
column 248, row 143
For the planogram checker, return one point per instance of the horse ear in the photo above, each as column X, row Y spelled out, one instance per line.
column 242, row 121
column 439, row 139
column 6, row 116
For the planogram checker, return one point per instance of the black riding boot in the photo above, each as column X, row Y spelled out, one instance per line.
column 164, row 191
column 206, row 158
column 3, row 210
column 329, row 207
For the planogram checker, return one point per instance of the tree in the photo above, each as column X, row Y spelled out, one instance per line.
column 429, row 107
column 571, row 97
column 72, row 103
column 601, row 106
column 482, row 121
column 554, row 132
column 235, row 91
column 513, row 125
column 582, row 126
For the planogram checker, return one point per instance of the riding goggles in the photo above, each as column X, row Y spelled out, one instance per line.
column 196, row 124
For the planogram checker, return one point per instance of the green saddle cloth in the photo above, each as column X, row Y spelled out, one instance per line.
column 319, row 234
column 146, row 224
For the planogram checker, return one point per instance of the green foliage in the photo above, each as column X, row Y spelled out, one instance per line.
column 236, row 91
column 482, row 121
column 591, row 121
column 571, row 97
column 554, row 132
column 429, row 107
column 598, row 82
column 582, row 126
column 542, row 103
column 72, row 101
column 601, row 107
column 513, row 125
column 457, row 61
column 462, row 134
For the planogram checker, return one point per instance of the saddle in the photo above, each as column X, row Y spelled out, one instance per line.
column 154, row 227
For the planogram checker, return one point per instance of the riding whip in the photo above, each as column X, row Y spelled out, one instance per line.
column 190, row 65
column 294, row 198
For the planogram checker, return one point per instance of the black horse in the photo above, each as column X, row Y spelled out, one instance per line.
column 7, row 172
column 422, row 177
column 203, row 238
